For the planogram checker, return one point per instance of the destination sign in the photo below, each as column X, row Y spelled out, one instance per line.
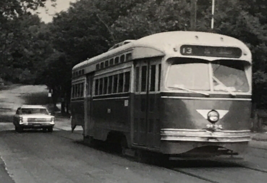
column 211, row 51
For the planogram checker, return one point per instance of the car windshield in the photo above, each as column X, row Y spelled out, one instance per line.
column 33, row 111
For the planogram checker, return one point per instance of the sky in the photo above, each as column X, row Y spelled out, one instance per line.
column 46, row 14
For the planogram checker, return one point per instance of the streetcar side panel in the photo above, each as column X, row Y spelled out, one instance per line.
column 110, row 115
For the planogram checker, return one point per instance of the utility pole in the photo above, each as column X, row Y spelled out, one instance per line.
column 212, row 13
column 193, row 20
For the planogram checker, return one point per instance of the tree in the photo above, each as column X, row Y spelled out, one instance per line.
column 15, row 18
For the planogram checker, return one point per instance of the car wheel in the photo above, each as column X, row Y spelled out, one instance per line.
column 44, row 129
column 50, row 129
column 18, row 129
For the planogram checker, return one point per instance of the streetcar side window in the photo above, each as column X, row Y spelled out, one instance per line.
column 127, row 82
column 110, row 84
column 96, row 86
column 122, row 58
column 106, row 63
column 159, row 76
column 116, row 60
column 128, row 56
column 137, row 73
column 120, row 83
column 143, row 78
column 101, row 86
column 111, row 61
column 115, row 84
column 82, row 91
column 105, row 85
column 153, row 78
column 77, row 91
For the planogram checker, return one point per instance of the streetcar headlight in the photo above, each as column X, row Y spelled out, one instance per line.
column 213, row 116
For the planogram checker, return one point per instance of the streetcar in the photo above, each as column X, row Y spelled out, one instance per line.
column 178, row 94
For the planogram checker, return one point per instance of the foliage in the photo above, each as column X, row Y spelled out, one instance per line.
column 19, row 36
column 90, row 27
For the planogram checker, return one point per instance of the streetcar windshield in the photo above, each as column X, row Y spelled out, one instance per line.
column 229, row 76
column 221, row 76
column 189, row 76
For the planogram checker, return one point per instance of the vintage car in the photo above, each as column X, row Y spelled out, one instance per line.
column 33, row 116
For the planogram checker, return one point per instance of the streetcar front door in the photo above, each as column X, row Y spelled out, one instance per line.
column 146, row 103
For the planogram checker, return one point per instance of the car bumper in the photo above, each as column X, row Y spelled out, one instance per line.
column 36, row 125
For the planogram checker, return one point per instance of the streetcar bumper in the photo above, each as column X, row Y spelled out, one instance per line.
column 179, row 141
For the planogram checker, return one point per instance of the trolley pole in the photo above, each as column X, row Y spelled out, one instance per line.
column 212, row 14
column 193, row 20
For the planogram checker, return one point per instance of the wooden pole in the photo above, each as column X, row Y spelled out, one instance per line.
column 193, row 20
column 212, row 14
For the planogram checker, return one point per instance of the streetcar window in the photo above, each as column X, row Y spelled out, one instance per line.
column 159, row 77
column 96, row 86
column 102, row 65
column 97, row 66
column 106, row 63
column 137, row 73
column 81, row 90
column 89, row 85
column 127, row 82
column 229, row 76
column 128, row 56
column 143, row 78
column 153, row 78
column 105, row 85
column 188, row 76
column 101, row 86
column 116, row 60
column 115, row 84
column 77, row 90
column 110, row 84
column 122, row 58
column 111, row 61
column 120, row 83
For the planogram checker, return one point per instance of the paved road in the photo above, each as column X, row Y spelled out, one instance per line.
column 60, row 157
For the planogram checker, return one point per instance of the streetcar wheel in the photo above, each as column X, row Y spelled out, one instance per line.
column 90, row 141
column 140, row 156
column 124, row 146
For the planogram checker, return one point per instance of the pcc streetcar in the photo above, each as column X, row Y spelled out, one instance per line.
column 180, row 93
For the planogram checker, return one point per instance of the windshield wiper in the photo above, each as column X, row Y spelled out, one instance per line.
column 189, row 90
column 225, row 87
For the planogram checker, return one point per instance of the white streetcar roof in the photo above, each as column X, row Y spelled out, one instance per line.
column 165, row 41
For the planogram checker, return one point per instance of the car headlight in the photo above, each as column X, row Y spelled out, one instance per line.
column 20, row 120
column 52, row 119
column 213, row 116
